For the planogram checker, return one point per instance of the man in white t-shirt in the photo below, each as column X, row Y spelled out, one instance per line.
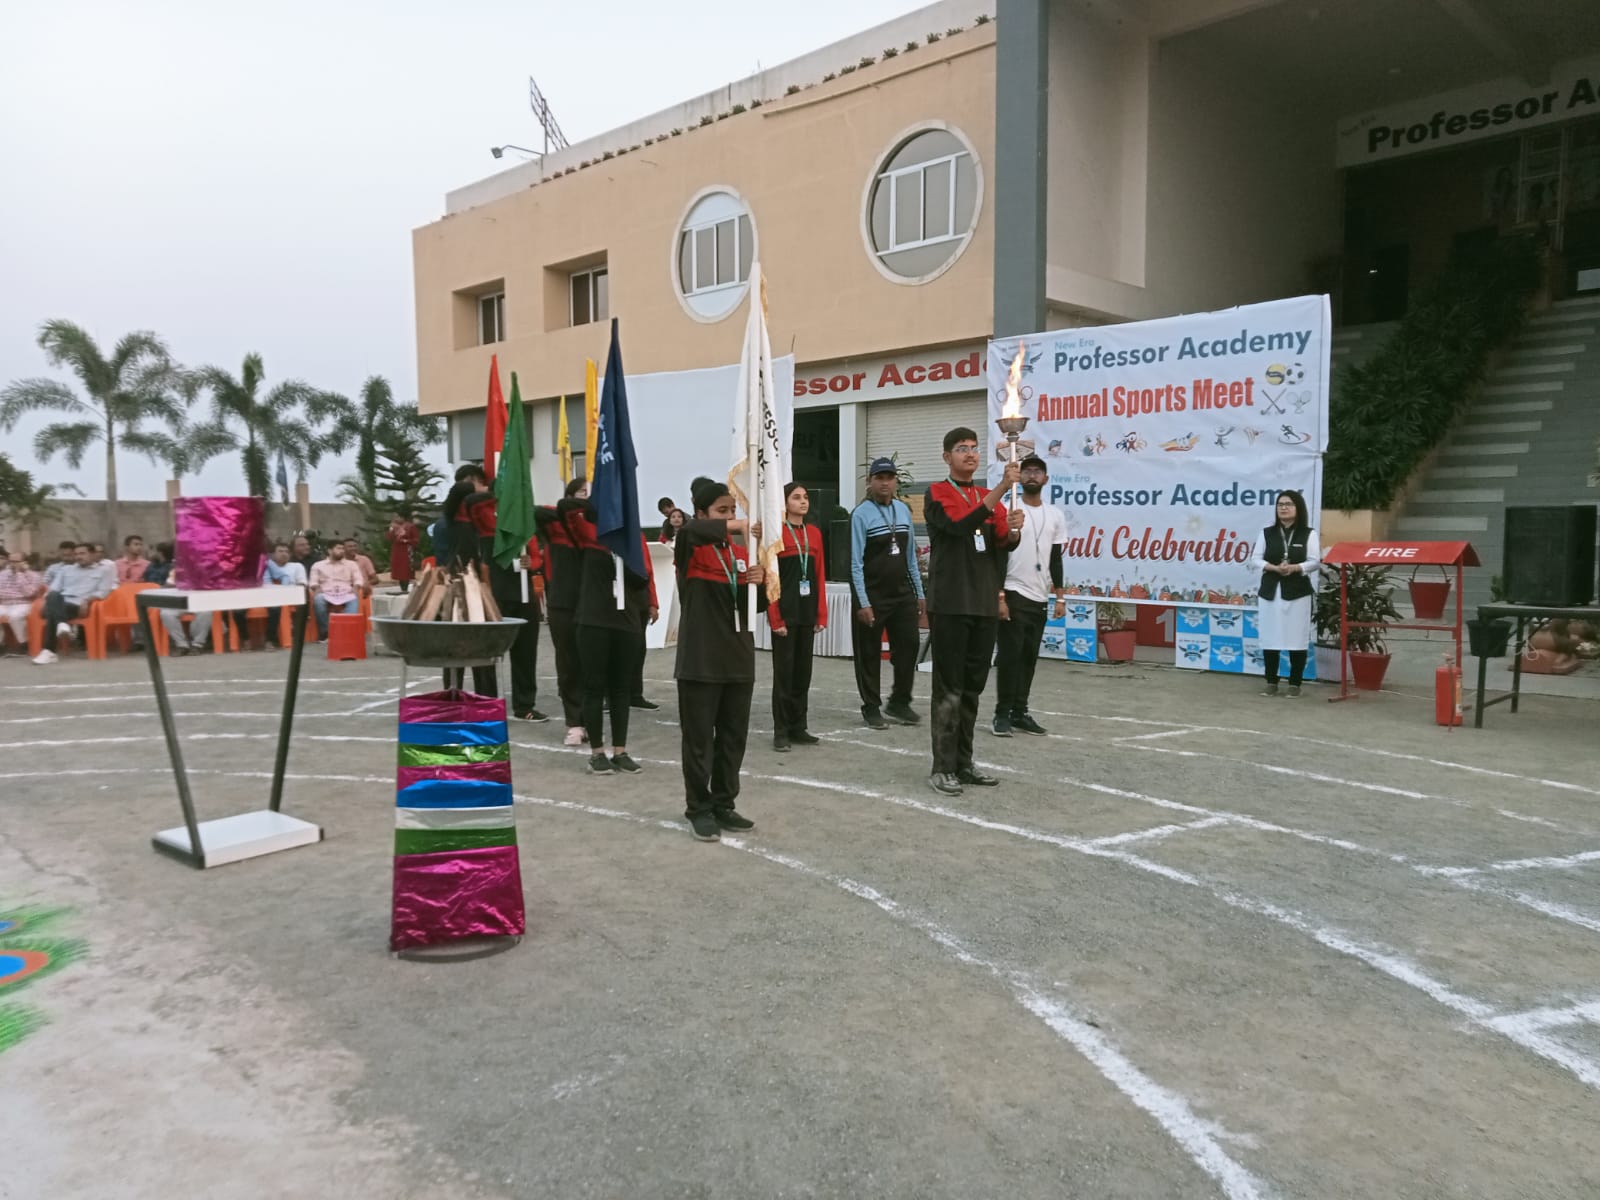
column 1033, row 576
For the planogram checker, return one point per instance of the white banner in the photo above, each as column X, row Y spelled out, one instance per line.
column 1168, row 441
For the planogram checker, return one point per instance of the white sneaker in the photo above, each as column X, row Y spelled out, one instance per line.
column 575, row 737
column 63, row 629
column 45, row 657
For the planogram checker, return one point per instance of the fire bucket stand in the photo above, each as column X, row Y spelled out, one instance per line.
column 214, row 843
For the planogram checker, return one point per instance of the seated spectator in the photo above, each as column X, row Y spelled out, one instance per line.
column 369, row 572
column 19, row 588
column 281, row 568
column 159, row 569
column 66, row 555
column 75, row 588
column 336, row 585
column 183, row 639
column 131, row 566
column 302, row 552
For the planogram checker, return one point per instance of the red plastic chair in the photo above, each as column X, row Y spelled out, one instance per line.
column 347, row 637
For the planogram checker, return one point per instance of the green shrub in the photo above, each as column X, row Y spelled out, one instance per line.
column 1386, row 414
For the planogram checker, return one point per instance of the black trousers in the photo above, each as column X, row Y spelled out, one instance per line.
column 715, row 721
column 1297, row 665
column 962, row 647
column 524, row 652
column 1018, row 654
column 608, row 656
column 55, row 611
column 483, row 680
column 900, row 619
column 564, row 636
column 791, row 678
column 637, row 680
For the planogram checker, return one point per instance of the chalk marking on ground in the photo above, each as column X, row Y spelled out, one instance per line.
column 145, row 683
column 174, row 695
column 1537, row 1019
column 1160, row 832
column 1150, row 737
column 1298, row 773
column 1550, row 863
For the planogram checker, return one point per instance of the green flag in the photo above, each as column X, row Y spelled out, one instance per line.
column 513, row 487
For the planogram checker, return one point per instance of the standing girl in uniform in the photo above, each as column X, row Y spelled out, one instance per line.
column 801, row 612
column 1287, row 553
column 716, row 666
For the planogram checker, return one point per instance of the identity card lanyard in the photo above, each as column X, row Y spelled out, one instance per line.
column 803, row 549
column 616, row 579
column 977, row 534
column 894, row 543
column 728, row 569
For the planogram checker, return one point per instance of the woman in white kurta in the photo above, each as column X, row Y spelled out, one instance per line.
column 1287, row 554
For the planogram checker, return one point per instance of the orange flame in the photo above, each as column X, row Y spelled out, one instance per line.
column 1013, row 404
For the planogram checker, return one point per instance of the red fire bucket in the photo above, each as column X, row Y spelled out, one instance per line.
column 1428, row 596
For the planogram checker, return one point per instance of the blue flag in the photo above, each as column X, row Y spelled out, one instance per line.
column 615, row 485
column 283, row 478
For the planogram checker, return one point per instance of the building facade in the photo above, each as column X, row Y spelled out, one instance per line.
column 946, row 177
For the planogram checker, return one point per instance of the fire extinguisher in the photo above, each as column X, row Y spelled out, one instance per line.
column 1447, row 692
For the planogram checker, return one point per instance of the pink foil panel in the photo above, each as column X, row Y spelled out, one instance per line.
column 221, row 542
column 451, row 708
column 456, row 894
column 493, row 772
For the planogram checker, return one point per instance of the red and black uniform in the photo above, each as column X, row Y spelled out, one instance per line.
column 716, row 667
column 609, row 618
column 506, row 584
column 562, row 564
column 966, row 574
column 802, row 609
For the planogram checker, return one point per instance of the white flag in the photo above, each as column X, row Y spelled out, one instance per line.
column 760, row 458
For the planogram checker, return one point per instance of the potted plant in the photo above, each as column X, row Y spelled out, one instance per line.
column 1369, row 609
column 1115, row 635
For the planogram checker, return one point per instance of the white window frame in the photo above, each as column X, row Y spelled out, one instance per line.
column 689, row 231
column 892, row 178
column 960, row 239
column 591, row 275
column 498, row 300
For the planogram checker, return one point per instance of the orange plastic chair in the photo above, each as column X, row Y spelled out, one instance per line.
column 365, row 609
column 347, row 637
column 89, row 621
column 119, row 614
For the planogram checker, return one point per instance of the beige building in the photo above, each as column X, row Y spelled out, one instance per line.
column 945, row 177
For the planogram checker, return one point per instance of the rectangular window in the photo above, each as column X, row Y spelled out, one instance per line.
column 491, row 319
column 925, row 203
column 715, row 255
column 588, row 296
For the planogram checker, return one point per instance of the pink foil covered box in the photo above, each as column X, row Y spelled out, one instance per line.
column 221, row 542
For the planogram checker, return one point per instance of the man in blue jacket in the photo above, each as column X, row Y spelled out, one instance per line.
column 887, row 587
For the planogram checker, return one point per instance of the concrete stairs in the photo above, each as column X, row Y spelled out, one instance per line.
column 1528, row 438
column 1357, row 343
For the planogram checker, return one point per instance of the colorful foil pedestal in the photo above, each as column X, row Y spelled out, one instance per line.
column 456, row 869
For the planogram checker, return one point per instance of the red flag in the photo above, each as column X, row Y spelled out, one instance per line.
column 494, row 424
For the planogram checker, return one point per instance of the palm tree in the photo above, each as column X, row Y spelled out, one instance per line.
column 376, row 419
column 287, row 420
column 185, row 449
column 138, row 382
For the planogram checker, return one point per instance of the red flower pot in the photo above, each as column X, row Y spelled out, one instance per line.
column 1428, row 597
column 1368, row 669
column 1119, row 644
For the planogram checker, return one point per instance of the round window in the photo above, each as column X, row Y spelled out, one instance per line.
column 922, row 205
column 711, row 261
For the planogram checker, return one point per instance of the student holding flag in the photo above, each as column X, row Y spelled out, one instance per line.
column 514, row 553
column 801, row 611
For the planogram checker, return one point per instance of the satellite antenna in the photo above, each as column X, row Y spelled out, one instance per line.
column 554, row 139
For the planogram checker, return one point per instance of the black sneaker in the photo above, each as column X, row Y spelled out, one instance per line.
column 874, row 719
column 621, row 762
column 1026, row 724
column 704, row 828
column 729, row 818
column 641, row 702
column 1001, row 726
column 945, row 785
column 802, row 737
column 533, row 715
column 902, row 714
column 780, row 743
column 1294, row 692
column 968, row 777
column 1271, row 689
column 599, row 764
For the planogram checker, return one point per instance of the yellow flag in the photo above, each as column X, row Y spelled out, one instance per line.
column 591, row 408
column 564, row 443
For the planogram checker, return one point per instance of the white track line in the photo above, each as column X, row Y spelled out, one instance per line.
column 1158, row 833
column 145, row 683
column 1553, row 863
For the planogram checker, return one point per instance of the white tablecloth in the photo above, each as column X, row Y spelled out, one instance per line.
column 832, row 642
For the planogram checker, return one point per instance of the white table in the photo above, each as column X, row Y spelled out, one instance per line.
column 832, row 642
column 205, row 844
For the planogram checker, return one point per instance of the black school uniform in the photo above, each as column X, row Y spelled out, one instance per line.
column 802, row 610
column 716, row 664
column 606, row 631
column 966, row 574
column 562, row 571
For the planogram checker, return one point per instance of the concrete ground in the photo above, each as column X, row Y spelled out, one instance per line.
column 1197, row 944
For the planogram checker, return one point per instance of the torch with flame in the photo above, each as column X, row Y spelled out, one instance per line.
column 1011, row 420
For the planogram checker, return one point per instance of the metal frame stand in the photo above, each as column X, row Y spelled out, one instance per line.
column 1536, row 615
column 203, row 844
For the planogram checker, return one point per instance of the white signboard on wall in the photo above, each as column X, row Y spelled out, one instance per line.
column 1168, row 441
column 1468, row 114
column 895, row 377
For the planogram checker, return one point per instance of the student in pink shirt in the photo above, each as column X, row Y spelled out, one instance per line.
column 336, row 585
column 133, row 564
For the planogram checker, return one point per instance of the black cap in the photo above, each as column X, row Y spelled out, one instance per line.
column 882, row 466
column 1033, row 460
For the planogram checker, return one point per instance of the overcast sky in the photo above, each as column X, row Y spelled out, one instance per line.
column 243, row 178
